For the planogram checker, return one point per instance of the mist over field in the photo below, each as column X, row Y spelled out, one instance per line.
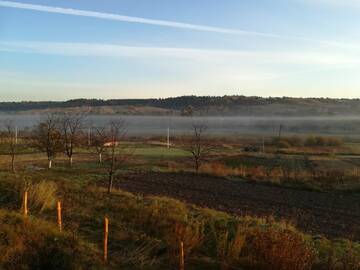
column 220, row 125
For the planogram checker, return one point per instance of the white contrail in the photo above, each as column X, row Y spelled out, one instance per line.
column 173, row 24
column 123, row 18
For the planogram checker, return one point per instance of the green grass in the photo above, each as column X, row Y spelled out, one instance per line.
column 160, row 151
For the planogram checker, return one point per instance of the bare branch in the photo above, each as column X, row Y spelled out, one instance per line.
column 197, row 145
column 70, row 126
column 46, row 137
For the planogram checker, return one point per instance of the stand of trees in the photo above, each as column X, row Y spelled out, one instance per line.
column 64, row 133
column 57, row 133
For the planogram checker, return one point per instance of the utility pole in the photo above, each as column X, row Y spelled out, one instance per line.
column 16, row 134
column 168, row 137
column 263, row 145
column 168, row 133
column 89, row 136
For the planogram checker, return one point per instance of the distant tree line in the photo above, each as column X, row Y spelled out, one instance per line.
column 180, row 103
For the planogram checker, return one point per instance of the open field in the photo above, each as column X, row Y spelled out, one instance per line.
column 301, row 200
column 330, row 214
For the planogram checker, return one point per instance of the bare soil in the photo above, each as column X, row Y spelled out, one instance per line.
column 330, row 214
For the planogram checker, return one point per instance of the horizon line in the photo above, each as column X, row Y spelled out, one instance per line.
column 181, row 96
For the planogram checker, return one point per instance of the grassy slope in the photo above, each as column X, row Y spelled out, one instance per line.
column 142, row 230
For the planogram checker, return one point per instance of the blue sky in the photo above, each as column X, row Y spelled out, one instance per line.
column 59, row 50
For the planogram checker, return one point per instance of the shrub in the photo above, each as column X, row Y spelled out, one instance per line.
column 283, row 144
column 332, row 141
column 286, row 142
column 278, row 249
column 295, row 141
column 310, row 141
column 191, row 234
column 338, row 255
column 216, row 168
column 323, row 141
column 320, row 141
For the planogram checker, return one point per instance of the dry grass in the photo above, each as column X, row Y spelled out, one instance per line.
column 278, row 249
column 190, row 233
column 326, row 179
column 151, row 228
column 228, row 248
column 35, row 244
column 42, row 196
column 142, row 256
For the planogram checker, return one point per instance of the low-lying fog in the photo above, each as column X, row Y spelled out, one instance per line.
column 155, row 125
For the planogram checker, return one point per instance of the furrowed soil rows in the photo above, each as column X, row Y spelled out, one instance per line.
column 331, row 214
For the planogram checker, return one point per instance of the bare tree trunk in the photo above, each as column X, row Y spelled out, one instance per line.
column 197, row 166
column 100, row 158
column 71, row 161
column 13, row 163
column 111, row 180
column 50, row 164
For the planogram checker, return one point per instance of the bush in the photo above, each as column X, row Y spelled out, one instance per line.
column 320, row 141
column 310, row 141
column 295, row 141
column 337, row 255
column 286, row 142
column 323, row 141
column 283, row 144
column 332, row 141
column 279, row 249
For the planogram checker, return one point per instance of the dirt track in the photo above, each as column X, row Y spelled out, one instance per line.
column 330, row 214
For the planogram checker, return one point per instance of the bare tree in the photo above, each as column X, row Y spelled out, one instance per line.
column 10, row 140
column 70, row 127
column 116, row 153
column 98, row 141
column 197, row 145
column 46, row 137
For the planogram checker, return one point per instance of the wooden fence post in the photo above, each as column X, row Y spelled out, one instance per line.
column 25, row 204
column 181, row 256
column 59, row 217
column 106, row 233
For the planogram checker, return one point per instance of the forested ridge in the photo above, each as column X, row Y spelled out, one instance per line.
column 212, row 105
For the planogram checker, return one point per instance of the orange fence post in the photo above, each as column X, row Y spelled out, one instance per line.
column 181, row 256
column 106, row 233
column 59, row 217
column 25, row 204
